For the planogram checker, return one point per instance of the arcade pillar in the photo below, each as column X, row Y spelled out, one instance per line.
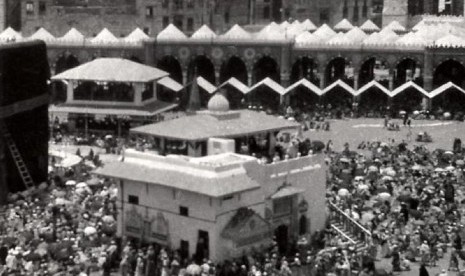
column 69, row 91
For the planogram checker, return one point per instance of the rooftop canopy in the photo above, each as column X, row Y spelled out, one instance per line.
column 204, row 125
column 112, row 70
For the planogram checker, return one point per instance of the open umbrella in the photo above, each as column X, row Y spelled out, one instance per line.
column 359, row 178
column 402, row 112
column 344, row 160
column 193, row 269
column 450, row 168
column 460, row 162
column 391, row 173
column 343, row 192
column 373, row 169
column 70, row 161
column 89, row 230
column 439, row 170
column 387, row 178
column 384, row 196
column 108, row 219
column 81, row 185
column 416, row 167
column 70, row 183
column 62, row 201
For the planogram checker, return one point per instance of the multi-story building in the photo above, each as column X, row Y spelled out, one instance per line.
column 121, row 17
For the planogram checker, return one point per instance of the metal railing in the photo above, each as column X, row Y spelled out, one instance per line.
column 349, row 223
column 343, row 234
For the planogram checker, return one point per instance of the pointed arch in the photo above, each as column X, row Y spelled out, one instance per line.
column 171, row 65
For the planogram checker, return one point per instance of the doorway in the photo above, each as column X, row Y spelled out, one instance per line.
column 184, row 250
column 282, row 238
column 203, row 245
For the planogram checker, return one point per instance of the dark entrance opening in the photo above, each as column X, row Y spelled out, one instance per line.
column 303, row 225
column 184, row 249
column 282, row 238
column 203, row 245
column 171, row 65
column 449, row 70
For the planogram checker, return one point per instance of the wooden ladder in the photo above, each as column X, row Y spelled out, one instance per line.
column 20, row 165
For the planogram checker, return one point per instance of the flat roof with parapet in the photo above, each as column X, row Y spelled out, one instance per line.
column 112, row 70
column 215, row 176
column 204, row 125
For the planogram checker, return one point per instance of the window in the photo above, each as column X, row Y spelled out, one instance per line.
column 177, row 4
column 29, row 8
column 365, row 9
column 165, row 4
column 184, row 211
column 226, row 17
column 149, row 12
column 228, row 197
column 190, row 3
column 324, row 16
column 166, row 21
column 355, row 15
column 266, row 13
column 178, row 21
column 146, row 30
column 42, row 7
column 132, row 199
column 345, row 10
column 190, row 24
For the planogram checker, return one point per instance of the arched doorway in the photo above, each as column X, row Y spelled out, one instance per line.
column 305, row 67
column 339, row 99
column 266, row 67
column 374, row 69
column 201, row 66
column 373, row 102
column 339, row 69
column 282, row 238
column 407, row 100
column 65, row 62
column 407, row 70
column 452, row 100
column 171, row 65
column 303, row 98
column 449, row 70
column 236, row 68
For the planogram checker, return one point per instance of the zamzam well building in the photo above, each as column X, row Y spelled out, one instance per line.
column 24, row 97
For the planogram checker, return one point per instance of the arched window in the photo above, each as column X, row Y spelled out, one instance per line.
column 303, row 225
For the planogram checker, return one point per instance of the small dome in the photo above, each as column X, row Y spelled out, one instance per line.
column 218, row 103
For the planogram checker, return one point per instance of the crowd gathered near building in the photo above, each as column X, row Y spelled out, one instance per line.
column 409, row 199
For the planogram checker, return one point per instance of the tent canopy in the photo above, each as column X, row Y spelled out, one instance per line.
column 307, row 84
column 270, row 84
column 408, row 85
column 342, row 84
column 112, row 70
column 372, row 84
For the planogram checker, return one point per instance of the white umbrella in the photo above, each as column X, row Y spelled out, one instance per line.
column 416, row 167
column 373, row 169
column 70, row 183
column 384, row 196
column 450, row 168
column 89, row 230
column 416, row 112
column 344, row 160
column 439, row 170
column 387, row 178
column 193, row 269
column 447, row 115
column 402, row 112
column 343, row 192
column 355, row 216
column 109, row 136
column 391, row 173
column 108, row 219
column 62, row 201
column 359, row 178
column 70, row 161
column 50, row 169
column 81, row 185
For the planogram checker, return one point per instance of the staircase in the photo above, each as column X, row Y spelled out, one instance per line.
column 20, row 165
column 348, row 228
